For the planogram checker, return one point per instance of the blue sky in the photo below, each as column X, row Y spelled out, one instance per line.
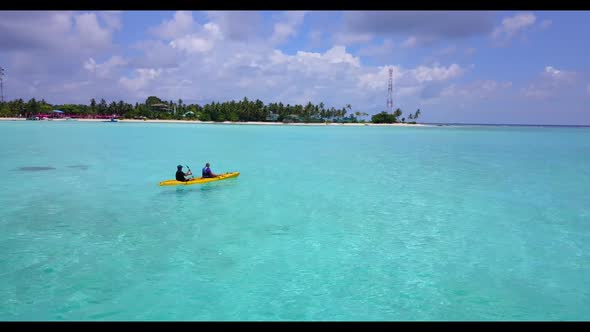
column 467, row 66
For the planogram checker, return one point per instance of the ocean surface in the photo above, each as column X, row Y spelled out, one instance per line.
column 324, row 223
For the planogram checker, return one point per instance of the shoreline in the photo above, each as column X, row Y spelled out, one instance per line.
column 255, row 123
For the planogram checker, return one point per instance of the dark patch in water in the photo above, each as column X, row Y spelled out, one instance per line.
column 35, row 168
column 179, row 190
column 83, row 167
column 278, row 229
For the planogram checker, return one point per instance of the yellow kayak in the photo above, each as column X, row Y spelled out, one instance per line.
column 200, row 180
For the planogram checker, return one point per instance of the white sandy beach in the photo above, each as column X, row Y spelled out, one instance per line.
column 234, row 123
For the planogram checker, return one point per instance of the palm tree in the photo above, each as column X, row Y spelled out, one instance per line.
column 112, row 108
column 417, row 114
column 397, row 114
column 102, row 107
column 92, row 106
column 316, row 111
column 323, row 113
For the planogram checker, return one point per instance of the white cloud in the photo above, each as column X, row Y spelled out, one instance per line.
column 58, row 32
column 51, row 47
column 91, row 33
column 35, row 30
column 409, row 77
column 180, row 25
column 377, row 79
column 352, row 38
column 437, row 73
column 90, row 65
column 106, row 69
column 313, row 61
column 411, row 86
column 112, row 19
column 546, row 24
column 143, row 77
column 213, row 30
column 559, row 75
column 288, row 27
column 278, row 57
column 552, row 71
column 338, row 54
column 235, row 69
column 511, row 26
column 186, row 35
column 155, row 53
column 192, row 44
column 237, row 25
column 551, row 82
column 479, row 89
column 410, row 42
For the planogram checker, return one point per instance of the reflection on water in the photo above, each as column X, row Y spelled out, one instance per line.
column 35, row 168
column 82, row 167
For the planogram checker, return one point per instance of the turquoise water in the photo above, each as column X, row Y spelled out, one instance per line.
column 324, row 223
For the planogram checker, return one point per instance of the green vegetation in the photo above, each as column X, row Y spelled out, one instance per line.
column 235, row 111
column 385, row 117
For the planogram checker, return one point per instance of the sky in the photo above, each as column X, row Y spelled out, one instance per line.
column 456, row 67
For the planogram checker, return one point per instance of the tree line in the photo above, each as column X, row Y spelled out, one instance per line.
column 235, row 111
column 395, row 117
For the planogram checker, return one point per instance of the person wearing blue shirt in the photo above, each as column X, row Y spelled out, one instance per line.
column 206, row 173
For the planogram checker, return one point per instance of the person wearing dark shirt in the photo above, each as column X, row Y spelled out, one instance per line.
column 182, row 176
column 206, row 173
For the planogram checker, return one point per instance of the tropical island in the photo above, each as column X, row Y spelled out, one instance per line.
column 244, row 110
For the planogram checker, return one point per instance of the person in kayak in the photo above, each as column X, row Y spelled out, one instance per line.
column 182, row 176
column 207, row 172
